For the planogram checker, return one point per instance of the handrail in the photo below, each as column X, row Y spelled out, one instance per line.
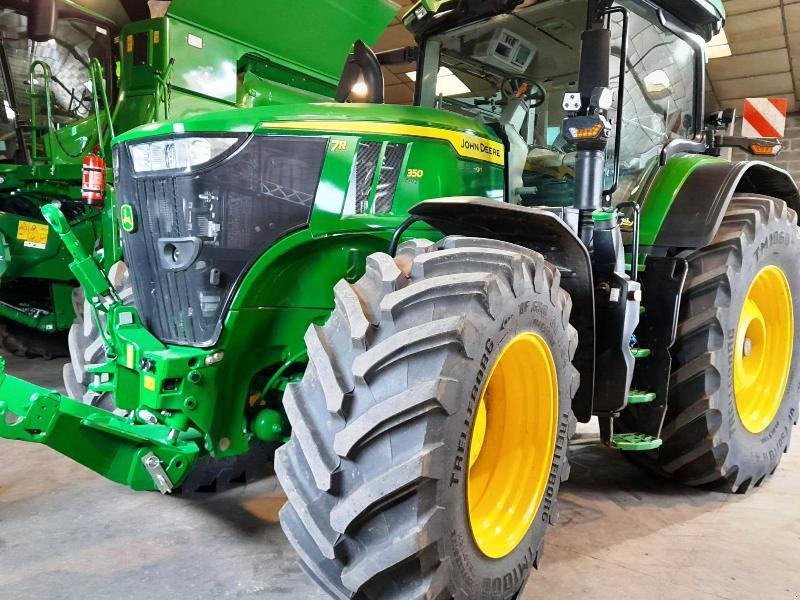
column 161, row 95
column 97, row 77
column 48, row 75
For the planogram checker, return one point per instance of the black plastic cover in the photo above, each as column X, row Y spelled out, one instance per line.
column 224, row 215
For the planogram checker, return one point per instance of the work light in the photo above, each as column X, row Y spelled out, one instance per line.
column 181, row 153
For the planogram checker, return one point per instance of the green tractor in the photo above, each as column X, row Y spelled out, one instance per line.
column 420, row 301
column 72, row 74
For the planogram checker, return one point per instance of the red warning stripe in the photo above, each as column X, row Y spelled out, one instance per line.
column 761, row 125
column 780, row 103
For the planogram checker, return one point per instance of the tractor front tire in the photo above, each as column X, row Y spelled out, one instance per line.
column 736, row 361
column 429, row 432
column 86, row 344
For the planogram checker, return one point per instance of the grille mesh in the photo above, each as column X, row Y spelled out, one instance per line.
column 366, row 163
column 390, row 174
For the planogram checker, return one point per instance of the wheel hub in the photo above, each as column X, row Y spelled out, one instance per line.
column 512, row 445
column 763, row 349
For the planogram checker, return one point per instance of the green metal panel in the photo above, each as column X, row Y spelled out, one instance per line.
column 319, row 48
column 664, row 190
column 247, row 120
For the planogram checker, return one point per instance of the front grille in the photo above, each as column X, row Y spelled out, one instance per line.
column 197, row 233
column 390, row 174
column 366, row 163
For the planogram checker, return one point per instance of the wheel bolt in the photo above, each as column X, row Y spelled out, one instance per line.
column 747, row 347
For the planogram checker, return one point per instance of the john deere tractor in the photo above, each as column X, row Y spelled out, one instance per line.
column 419, row 299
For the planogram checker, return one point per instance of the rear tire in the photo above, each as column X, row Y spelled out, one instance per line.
column 706, row 442
column 380, row 462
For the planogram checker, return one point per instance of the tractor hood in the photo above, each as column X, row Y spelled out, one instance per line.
column 258, row 119
column 316, row 35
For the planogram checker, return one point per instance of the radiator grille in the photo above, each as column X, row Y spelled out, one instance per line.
column 390, row 174
column 199, row 232
column 366, row 163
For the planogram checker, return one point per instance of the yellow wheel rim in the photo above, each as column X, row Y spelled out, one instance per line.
column 763, row 349
column 512, row 444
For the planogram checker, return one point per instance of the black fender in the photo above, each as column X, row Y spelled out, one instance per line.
column 698, row 209
column 546, row 233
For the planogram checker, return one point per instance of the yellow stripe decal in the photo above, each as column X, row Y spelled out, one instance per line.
column 465, row 143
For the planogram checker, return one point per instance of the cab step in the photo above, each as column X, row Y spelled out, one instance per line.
column 639, row 353
column 641, row 397
column 635, row 442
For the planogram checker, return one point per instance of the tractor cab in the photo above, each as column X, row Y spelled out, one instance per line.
column 513, row 70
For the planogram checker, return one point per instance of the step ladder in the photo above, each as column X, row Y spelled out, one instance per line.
column 637, row 442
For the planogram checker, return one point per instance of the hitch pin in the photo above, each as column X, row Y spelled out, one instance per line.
column 157, row 472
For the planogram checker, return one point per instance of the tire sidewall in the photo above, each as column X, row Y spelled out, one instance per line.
column 475, row 575
column 777, row 244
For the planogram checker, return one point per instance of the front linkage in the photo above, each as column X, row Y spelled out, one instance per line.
column 161, row 390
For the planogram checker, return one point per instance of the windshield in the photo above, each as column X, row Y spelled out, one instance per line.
column 534, row 53
column 68, row 55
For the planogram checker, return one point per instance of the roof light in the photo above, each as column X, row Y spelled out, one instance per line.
column 360, row 89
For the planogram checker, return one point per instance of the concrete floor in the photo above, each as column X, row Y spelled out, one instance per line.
column 66, row 533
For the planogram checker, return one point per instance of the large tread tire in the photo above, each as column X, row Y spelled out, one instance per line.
column 26, row 342
column 705, row 441
column 381, row 419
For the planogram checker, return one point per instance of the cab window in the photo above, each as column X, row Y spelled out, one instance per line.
column 480, row 68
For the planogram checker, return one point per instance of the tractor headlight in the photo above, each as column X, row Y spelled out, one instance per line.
column 181, row 153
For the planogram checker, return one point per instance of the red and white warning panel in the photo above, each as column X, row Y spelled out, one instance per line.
column 764, row 117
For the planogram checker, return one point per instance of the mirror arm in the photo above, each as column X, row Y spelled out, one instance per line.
column 675, row 147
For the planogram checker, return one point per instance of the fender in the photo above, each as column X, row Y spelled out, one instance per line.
column 546, row 233
column 689, row 197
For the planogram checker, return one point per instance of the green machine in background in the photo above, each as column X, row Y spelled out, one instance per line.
column 292, row 284
column 75, row 73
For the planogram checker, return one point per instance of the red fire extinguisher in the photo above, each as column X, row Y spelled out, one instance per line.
column 94, row 180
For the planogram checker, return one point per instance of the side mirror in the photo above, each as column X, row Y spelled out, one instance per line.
column 42, row 20
column 722, row 119
column 362, row 73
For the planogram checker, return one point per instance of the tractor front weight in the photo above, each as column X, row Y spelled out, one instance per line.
column 164, row 392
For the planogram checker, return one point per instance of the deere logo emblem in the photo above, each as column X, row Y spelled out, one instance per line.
column 127, row 218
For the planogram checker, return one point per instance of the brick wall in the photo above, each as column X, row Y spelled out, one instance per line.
column 789, row 159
